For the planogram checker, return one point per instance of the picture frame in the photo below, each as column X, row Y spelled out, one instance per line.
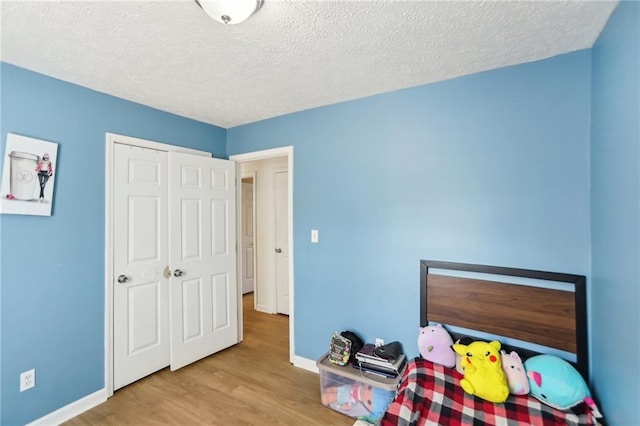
column 28, row 176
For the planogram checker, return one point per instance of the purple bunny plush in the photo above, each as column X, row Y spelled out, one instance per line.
column 516, row 374
column 434, row 344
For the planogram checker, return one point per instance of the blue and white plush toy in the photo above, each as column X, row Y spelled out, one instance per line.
column 556, row 383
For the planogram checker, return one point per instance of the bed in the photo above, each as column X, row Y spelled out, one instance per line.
column 545, row 310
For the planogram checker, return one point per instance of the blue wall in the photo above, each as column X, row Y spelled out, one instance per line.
column 52, row 276
column 491, row 168
column 615, row 214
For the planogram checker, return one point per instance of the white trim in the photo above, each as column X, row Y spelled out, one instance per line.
column 264, row 155
column 72, row 410
column 143, row 143
column 108, row 265
column 111, row 140
column 306, row 364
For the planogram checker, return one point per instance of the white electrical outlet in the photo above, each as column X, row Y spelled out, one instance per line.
column 314, row 235
column 27, row 380
column 379, row 342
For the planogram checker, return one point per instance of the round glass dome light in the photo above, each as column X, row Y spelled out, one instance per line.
column 229, row 11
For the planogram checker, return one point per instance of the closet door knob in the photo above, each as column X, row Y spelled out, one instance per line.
column 122, row 279
column 278, row 250
column 178, row 273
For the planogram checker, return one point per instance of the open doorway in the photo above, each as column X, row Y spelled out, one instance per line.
column 270, row 176
column 266, row 262
column 248, row 240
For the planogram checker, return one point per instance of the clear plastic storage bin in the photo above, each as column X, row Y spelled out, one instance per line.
column 358, row 395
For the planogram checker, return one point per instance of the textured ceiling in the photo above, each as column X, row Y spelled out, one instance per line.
column 290, row 56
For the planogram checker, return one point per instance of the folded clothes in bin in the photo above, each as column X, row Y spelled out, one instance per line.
column 390, row 351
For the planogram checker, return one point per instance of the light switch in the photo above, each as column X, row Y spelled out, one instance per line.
column 314, row 235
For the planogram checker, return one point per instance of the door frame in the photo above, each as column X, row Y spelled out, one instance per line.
column 111, row 140
column 286, row 151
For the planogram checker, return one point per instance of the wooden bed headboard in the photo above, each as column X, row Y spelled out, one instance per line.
column 544, row 316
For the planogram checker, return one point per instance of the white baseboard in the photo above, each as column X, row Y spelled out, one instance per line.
column 71, row 410
column 305, row 363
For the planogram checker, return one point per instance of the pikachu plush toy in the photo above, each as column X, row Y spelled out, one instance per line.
column 483, row 373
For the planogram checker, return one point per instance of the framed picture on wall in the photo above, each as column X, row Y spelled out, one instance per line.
column 28, row 176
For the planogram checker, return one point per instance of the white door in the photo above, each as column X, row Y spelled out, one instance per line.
column 248, row 245
column 203, row 257
column 140, row 291
column 282, row 241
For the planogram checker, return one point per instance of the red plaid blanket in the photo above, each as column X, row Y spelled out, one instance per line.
column 430, row 394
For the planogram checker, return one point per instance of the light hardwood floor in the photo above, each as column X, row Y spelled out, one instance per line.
column 251, row 383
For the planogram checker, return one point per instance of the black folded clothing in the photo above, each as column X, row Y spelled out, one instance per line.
column 390, row 351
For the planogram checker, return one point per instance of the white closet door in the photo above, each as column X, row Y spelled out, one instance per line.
column 202, row 246
column 140, row 291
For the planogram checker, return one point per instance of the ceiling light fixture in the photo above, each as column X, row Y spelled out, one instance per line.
column 230, row 11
